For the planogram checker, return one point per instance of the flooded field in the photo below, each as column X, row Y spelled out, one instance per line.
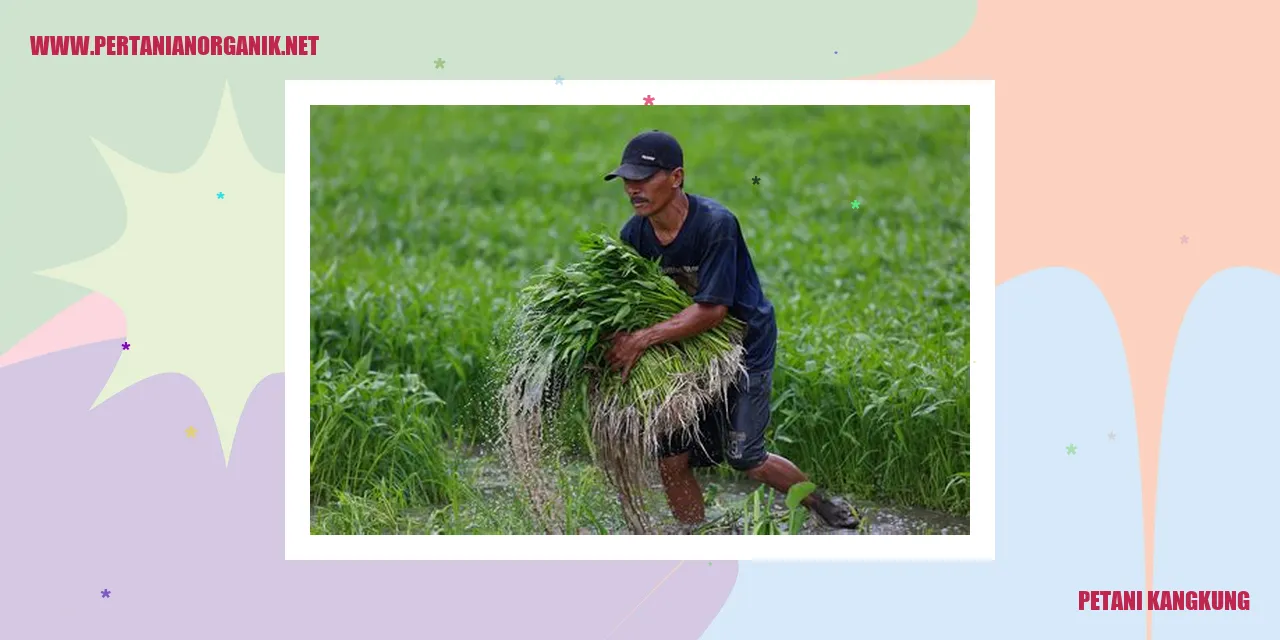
column 492, row 504
column 409, row 309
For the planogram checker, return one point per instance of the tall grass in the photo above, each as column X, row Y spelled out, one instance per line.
column 426, row 222
column 371, row 430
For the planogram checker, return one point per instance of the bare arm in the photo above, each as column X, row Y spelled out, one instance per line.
column 694, row 319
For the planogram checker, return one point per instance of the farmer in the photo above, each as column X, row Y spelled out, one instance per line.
column 702, row 249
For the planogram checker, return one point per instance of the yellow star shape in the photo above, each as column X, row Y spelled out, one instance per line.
column 191, row 432
column 200, row 279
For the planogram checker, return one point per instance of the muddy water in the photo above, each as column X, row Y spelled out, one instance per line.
column 727, row 496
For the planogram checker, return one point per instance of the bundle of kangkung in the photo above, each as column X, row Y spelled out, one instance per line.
column 555, row 344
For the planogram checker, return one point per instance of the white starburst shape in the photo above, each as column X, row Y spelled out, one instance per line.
column 200, row 278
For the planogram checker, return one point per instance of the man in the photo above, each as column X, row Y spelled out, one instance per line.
column 701, row 247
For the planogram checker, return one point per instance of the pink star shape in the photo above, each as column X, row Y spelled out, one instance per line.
column 648, row 100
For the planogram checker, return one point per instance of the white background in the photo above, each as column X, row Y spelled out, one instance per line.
column 979, row 95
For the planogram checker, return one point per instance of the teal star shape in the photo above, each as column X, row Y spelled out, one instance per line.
column 856, row 204
column 439, row 63
column 1071, row 449
column 559, row 79
column 219, row 195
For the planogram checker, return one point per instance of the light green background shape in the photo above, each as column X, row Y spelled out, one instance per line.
column 194, row 273
column 61, row 204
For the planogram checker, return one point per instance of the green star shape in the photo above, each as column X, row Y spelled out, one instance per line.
column 439, row 63
column 1071, row 449
column 200, row 280
column 856, row 204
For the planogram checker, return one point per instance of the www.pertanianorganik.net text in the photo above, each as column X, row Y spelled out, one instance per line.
column 174, row 45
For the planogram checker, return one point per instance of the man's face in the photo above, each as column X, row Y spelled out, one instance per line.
column 651, row 195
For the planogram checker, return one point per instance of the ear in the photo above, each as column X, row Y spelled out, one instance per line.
column 677, row 177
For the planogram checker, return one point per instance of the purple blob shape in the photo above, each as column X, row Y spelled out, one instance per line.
column 120, row 495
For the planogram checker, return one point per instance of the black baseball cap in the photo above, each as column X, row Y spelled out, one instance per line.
column 646, row 154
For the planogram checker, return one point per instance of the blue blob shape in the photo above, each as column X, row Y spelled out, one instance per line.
column 1215, row 512
column 1064, row 523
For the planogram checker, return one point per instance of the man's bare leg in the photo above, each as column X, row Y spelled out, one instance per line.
column 684, row 495
column 781, row 474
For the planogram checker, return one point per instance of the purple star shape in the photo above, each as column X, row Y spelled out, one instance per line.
column 125, row 346
column 106, row 593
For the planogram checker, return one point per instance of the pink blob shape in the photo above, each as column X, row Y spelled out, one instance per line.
column 93, row 318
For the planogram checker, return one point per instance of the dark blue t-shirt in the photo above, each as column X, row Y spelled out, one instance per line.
column 710, row 261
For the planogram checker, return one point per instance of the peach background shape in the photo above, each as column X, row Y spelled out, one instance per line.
column 1121, row 128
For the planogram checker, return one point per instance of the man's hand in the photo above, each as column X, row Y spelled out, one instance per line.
column 694, row 319
column 626, row 349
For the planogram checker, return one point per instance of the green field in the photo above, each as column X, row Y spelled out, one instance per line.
column 426, row 221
